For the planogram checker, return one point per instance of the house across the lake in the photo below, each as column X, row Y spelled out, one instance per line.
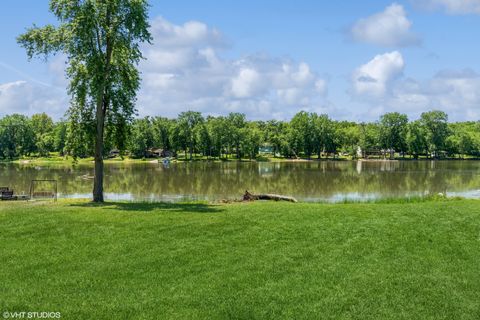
column 265, row 149
column 375, row 153
column 159, row 153
column 114, row 153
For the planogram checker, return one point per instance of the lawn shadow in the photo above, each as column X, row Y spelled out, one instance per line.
column 184, row 207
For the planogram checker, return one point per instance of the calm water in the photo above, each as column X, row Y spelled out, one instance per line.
column 308, row 181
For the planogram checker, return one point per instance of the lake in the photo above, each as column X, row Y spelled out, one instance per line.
column 307, row 181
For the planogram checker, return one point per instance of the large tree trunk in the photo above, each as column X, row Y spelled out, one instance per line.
column 102, row 106
column 98, row 181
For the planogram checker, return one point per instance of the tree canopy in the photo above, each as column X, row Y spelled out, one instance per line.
column 101, row 42
column 233, row 136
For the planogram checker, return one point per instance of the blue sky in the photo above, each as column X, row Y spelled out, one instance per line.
column 270, row 59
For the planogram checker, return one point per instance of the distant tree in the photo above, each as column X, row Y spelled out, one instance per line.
column 393, row 131
column 460, row 141
column 217, row 129
column 275, row 135
column 252, row 140
column 435, row 124
column 416, row 140
column 304, row 135
column 185, row 130
column 333, row 139
column 141, row 137
column 301, row 136
column 203, row 139
column 323, row 133
column 16, row 136
column 59, row 137
column 236, row 122
column 80, row 133
column 42, row 126
column 101, row 42
column 348, row 136
column 369, row 136
column 162, row 128
column 116, row 134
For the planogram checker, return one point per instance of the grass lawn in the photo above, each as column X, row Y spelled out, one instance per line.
column 242, row 261
column 56, row 159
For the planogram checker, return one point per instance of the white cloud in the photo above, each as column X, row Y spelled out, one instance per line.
column 29, row 98
column 247, row 83
column 303, row 75
column 455, row 92
column 379, row 86
column 451, row 6
column 390, row 28
column 185, row 70
column 373, row 78
column 321, row 86
column 190, row 33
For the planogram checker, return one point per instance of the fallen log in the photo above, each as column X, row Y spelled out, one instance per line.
column 276, row 197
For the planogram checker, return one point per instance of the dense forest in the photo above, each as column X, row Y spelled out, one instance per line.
column 191, row 135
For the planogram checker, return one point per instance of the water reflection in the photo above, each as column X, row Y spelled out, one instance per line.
column 308, row 181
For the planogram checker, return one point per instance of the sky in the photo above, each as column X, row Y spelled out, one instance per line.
column 354, row 60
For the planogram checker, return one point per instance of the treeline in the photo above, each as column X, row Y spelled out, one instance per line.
column 306, row 135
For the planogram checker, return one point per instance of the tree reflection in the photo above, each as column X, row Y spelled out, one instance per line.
column 316, row 180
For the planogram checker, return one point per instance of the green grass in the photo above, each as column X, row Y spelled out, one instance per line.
column 55, row 158
column 412, row 260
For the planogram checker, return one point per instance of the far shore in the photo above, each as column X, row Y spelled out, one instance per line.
column 127, row 160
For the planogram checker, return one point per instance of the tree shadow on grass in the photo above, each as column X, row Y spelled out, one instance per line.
column 154, row 206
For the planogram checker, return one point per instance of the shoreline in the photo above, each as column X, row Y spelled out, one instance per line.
column 53, row 161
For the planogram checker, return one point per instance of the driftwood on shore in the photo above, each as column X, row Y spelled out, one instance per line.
column 252, row 197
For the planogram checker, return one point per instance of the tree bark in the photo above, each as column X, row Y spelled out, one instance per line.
column 98, row 181
column 101, row 110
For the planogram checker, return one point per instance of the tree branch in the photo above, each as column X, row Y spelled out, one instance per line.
column 42, row 41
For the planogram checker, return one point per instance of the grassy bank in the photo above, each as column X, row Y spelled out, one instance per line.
column 242, row 261
column 69, row 160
